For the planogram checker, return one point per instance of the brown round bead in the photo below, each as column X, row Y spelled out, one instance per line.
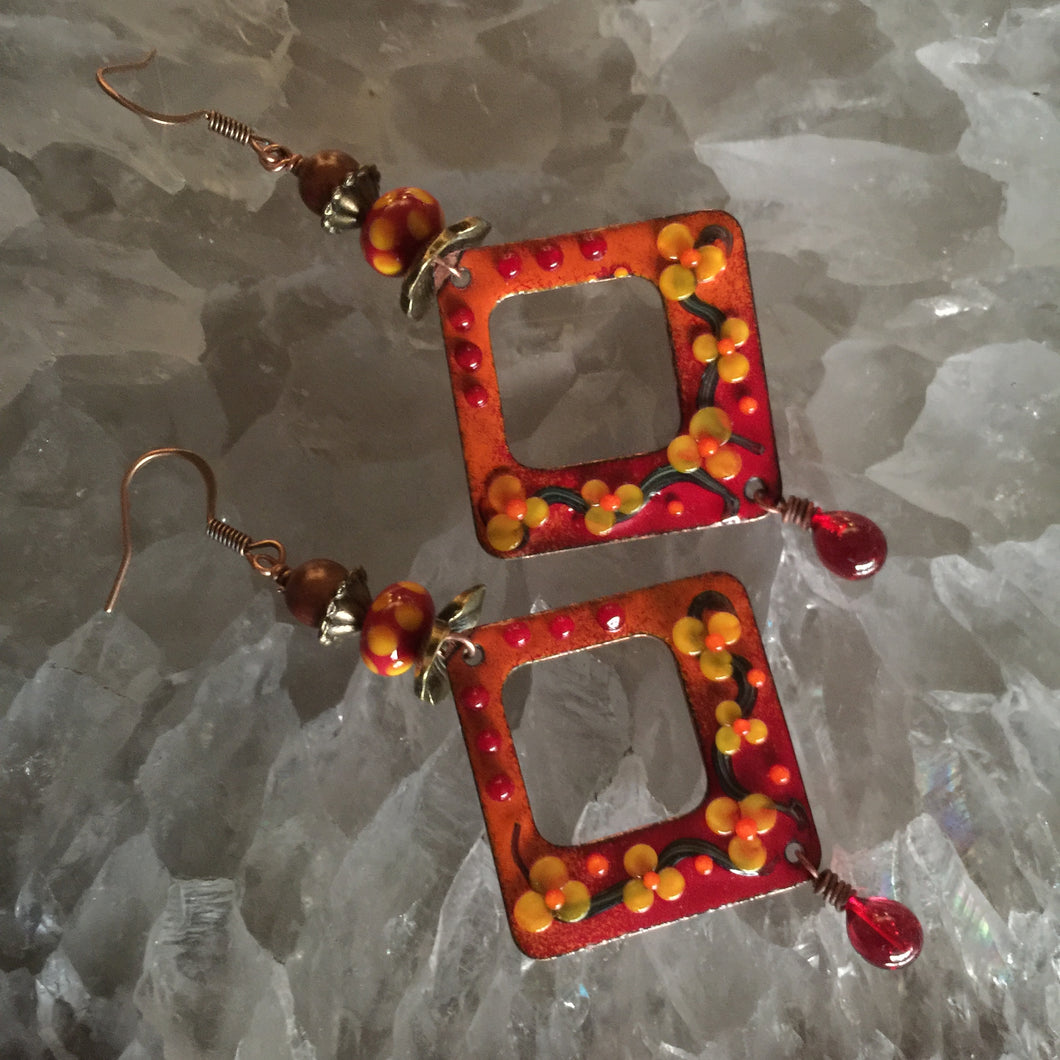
column 320, row 174
column 309, row 588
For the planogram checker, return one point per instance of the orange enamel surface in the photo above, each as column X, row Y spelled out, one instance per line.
column 618, row 251
column 519, row 849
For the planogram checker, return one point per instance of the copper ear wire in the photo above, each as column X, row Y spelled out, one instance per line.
column 273, row 156
column 267, row 557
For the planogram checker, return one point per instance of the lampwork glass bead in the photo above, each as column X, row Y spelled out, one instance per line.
column 849, row 544
column 398, row 227
column 396, row 628
column 309, row 588
column 320, row 174
column 883, row 931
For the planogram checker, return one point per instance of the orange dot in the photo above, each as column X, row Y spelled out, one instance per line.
column 726, row 346
column 596, row 865
column 610, row 503
column 745, row 829
column 756, row 678
column 779, row 774
column 707, row 446
column 554, row 898
column 689, row 258
column 516, row 509
column 742, row 726
column 651, row 879
column 748, row 406
column 704, row 865
column 675, row 508
column 715, row 642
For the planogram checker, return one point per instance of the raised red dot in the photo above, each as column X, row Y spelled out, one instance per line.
column 704, row 864
column 516, row 508
column 748, row 405
column 726, row 346
column 468, row 356
column 742, row 726
column 510, row 265
column 517, row 634
column 756, row 678
column 597, row 865
column 488, row 741
column 611, row 617
column 675, row 508
column 650, row 880
column 554, row 899
column 500, row 788
column 476, row 396
column 715, row 642
column 549, row 256
column 561, row 627
column 593, row 247
column 746, row 828
column 779, row 774
column 474, row 698
column 461, row 318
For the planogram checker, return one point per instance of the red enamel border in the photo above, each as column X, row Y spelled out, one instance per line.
column 498, row 272
column 514, row 837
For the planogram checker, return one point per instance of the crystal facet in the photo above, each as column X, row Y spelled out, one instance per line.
column 884, row 931
column 849, row 544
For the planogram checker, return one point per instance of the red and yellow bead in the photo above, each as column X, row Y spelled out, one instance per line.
column 398, row 227
column 396, row 628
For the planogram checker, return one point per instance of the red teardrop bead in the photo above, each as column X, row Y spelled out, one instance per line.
column 884, row 931
column 848, row 544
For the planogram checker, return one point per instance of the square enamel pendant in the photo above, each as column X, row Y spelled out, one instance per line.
column 729, row 848
column 698, row 264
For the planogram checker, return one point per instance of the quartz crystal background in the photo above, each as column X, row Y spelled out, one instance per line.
column 219, row 839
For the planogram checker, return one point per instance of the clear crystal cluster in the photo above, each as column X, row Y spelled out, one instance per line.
column 218, row 839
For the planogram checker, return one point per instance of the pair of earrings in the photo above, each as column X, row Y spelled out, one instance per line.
column 757, row 836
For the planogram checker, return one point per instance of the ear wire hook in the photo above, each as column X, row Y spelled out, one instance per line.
column 273, row 156
column 256, row 553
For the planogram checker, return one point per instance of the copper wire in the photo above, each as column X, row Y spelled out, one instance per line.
column 256, row 553
column 228, row 535
column 228, row 127
column 831, row 888
column 273, row 156
column 468, row 647
column 796, row 510
column 267, row 557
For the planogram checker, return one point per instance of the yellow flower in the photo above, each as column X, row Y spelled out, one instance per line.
column 691, row 266
column 605, row 506
column 736, row 728
column 705, row 445
column 641, row 862
column 691, row 637
column 553, row 896
column 512, row 511
column 745, row 821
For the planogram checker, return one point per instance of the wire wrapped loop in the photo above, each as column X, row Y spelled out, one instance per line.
column 267, row 557
column 832, row 889
column 796, row 510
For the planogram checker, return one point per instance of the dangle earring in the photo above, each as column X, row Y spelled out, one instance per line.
column 752, row 834
column 721, row 468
